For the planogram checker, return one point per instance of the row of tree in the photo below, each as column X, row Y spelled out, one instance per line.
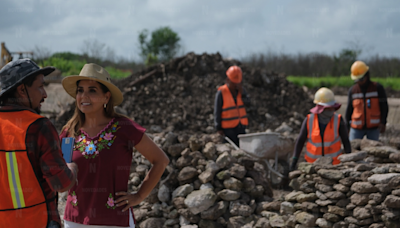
column 320, row 64
column 163, row 44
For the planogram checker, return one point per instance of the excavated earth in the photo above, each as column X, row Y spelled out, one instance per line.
column 179, row 96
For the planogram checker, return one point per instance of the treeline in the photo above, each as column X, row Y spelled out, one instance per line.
column 92, row 51
column 71, row 64
column 159, row 48
column 322, row 65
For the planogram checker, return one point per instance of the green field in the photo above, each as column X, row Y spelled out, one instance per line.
column 343, row 81
column 73, row 67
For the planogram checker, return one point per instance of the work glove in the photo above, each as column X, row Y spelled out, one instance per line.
column 293, row 164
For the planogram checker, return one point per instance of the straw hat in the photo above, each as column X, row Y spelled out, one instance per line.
column 91, row 71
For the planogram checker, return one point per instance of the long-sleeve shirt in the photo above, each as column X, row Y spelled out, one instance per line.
column 383, row 105
column 43, row 146
column 302, row 138
column 219, row 102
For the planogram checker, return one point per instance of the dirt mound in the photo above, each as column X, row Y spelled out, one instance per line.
column 179, row 95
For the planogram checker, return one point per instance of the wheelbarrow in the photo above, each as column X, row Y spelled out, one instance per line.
column 268, row 147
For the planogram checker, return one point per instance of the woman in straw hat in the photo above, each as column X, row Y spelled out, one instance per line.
column 323, row 130
column 104, row 141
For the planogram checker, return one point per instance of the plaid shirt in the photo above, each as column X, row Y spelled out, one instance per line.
column 43, row 146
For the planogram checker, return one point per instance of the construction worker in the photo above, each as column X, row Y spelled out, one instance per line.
column 230, row 116
column 32, row 167
column 323, row 129
column 367, row 107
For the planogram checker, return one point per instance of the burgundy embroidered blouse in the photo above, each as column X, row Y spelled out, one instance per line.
column 104, row 165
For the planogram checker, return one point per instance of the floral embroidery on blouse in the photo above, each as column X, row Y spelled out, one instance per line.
column 74, row 200
column 110, row 202
column 91, row 148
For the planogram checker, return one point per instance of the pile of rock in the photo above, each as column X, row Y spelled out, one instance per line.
column 180, row 94
column 212, row 185
column 359, row 192
column 206, row 185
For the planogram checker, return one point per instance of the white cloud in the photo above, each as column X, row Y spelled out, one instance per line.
column 235, row 28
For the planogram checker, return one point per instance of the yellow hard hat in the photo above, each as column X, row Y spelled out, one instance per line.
column 324, row 97
column 358, row 70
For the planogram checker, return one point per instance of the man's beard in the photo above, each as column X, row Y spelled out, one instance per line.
column 37, row 109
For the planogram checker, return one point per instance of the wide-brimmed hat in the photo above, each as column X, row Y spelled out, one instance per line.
column 91, row 71
column 12, row 74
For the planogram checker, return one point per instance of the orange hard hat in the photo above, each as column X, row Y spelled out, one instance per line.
column 358, row 70
column 234, row 74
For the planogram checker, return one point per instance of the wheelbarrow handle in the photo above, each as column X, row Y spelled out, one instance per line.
column 272, row 170
column 232, row 143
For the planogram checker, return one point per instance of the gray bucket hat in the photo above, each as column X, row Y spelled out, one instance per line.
column 15, row 72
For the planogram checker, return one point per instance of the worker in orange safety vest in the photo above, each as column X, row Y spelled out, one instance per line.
column 367, row 107
column 230, row 117
column 32, row 167
column 323, row 130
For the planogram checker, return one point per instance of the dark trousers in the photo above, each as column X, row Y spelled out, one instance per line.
column 232, row 133
column 53, row 224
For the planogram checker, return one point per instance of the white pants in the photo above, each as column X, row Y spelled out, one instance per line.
column 68, row 224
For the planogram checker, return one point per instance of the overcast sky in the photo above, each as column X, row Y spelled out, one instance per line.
column 234, row 28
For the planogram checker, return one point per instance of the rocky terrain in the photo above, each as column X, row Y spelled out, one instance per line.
column 210, row 184
column 362, row 191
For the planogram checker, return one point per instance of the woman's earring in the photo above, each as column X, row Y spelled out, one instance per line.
column 105, row 105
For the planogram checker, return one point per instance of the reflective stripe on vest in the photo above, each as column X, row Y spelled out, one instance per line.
column 366, row 109
column 23, row 202
column 374, row 121
column 357, row 122
column 232, row 113
column 14, row 180
column 367, row 95
column 371, row 94
column 330, row 146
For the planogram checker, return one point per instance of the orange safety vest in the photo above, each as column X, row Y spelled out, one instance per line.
column 366, row 110
column 23, row 202
column 330, row 146
column 232, row 113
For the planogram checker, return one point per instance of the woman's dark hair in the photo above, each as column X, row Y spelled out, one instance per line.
column 78, row 119
column 103, row 87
